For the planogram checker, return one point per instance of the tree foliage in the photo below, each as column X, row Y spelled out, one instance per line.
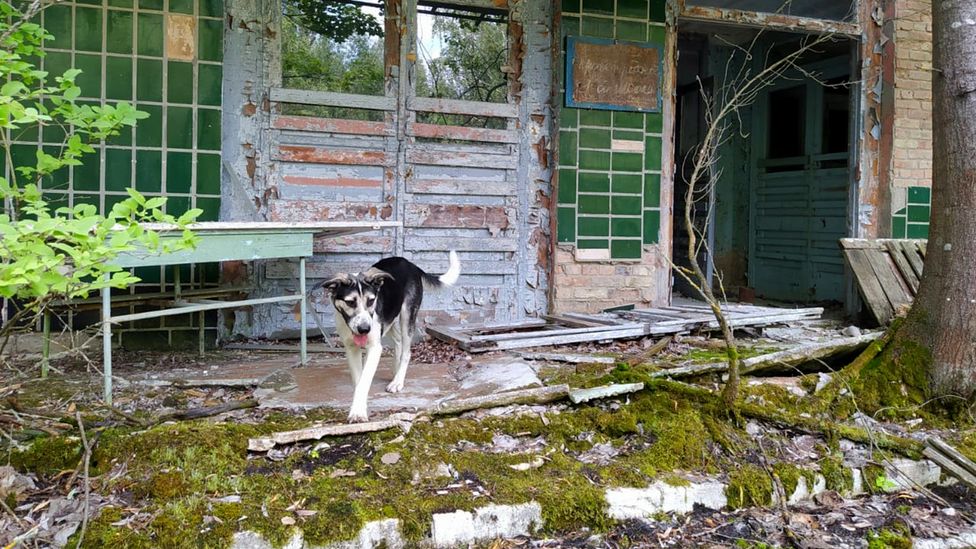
column 48, row 253
column 333, row 20
column 471, row 62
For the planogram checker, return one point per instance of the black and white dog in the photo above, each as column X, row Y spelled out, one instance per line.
column 383, row 299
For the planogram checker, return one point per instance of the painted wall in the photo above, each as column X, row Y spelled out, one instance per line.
column 613, row 238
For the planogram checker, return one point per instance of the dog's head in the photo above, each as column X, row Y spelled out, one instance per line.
column 354, row 297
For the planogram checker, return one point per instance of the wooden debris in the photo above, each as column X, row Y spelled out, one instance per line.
column 887, row 272
column 263, row 444
column 568, row 358
column 778, row 360
column 535, row 395
column 207, row 411
column 578, row 396
column 647, row 354
column 951, row 460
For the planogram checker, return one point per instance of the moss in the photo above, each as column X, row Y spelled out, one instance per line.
column 895, row 383
column 749, row 486
column 874, row 478
column 837, row 476
column 896, row 536
column 48, row 456
column 790, row 475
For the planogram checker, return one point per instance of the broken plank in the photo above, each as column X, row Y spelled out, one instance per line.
column 914, row 256
column 568, row 358
column 904, row 267
column 263, row 444
column 871, row 290
column 951, row 452
column 554, row 332
column 448, row 335
column 208, row 411
column 572, row 321
column 557, row 339
column 536, row 395
column 892, row 286
column 950, row 466
column 642, row 356
column 578, row 396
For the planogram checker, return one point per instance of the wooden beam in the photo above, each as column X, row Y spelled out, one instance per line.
column 770, row 21
column 333, row 99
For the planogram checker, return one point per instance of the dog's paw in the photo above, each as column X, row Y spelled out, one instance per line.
column 358, row 416
column 394, row 386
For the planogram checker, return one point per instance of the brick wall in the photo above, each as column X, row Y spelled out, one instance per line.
column 913, row 94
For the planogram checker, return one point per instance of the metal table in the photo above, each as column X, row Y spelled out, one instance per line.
column 227, row 241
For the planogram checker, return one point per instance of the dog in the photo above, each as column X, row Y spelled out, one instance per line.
column 385, row 298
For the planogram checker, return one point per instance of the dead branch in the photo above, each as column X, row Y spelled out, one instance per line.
column 263, row 444
column 536, row 395
column 643, row 356
column 205, row 411
column 87, row 462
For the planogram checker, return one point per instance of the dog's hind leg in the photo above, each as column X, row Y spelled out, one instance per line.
column 357, row 413
column 404, row 322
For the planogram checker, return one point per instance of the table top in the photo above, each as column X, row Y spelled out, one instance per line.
column 246, row 241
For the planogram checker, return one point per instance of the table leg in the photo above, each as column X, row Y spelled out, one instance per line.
column 107, row 340
column 46, row 350
column 301, row 289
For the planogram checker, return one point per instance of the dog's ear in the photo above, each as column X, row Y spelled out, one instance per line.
column 376, row 277
column 331, row 284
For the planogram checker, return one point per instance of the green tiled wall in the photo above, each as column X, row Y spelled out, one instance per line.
column 607, row 199
column 120, row 47
column 912, row 221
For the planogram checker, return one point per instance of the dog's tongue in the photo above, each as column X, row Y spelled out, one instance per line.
column 360, row 339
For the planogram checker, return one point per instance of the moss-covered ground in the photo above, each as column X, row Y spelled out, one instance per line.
column 178, row 475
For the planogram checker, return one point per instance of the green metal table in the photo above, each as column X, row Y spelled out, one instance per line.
column 227, row 241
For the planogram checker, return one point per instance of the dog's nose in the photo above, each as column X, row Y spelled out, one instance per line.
column 363, row 329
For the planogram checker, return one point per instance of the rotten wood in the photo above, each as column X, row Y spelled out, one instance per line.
column 578, row 396
column 323, row 155
column 465, row 216
column 536, row 395
column 207, row 411
column 770, row 21
column 331, row 125
column 643, row 356
column 263, row 444
column 462, row 159
column 951, row 460
column 333, row 99
column 887, row 272
column 458, row 106
column 465, row 187
column 568, row 358
column 438, row 131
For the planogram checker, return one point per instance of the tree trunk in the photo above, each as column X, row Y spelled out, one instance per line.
column 942, row 321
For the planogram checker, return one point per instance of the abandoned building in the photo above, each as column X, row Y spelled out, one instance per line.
column 561, row 186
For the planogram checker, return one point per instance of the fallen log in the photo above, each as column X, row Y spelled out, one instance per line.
column 780, row 359
column 536, row 395
column 263, row 444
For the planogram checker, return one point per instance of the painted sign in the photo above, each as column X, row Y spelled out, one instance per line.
column 613, row 74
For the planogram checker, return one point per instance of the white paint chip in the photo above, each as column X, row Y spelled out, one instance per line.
column 626, row 145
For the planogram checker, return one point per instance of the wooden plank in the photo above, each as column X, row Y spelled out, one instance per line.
column 325, row 155
column 898, row 296
column 331, row 125
column 553, row 332
column 871, row 290
column 440, row 131
column 922, row 247
column 205, row 307
column 333, row 99
column 572, row 322
column 562, row 339
column 457, row 216
column 534, row 395
column 950, row 466
column 896, row 252
column 859, row 244
column 463, row 187
column 915, row 259
column 462, row 159
column 230, row 246
column 457, row 106
column 421, row 243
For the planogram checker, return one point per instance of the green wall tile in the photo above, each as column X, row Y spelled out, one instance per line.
column 123, row 139
column 600, row 7
column 919, row 195
column 179, row 127
column 92, row 199
column 210, row 207
column 570, row 26
column 598, row 27
column 625, row 205
column 593, row 226
column 593, row 244
column 631, row 30
column 179, row 172
column 56, row 200
column 632, row 120
column 652, row 153
column 208, row 129
column 652, row 190
column 628, row 135
column 626, row 226
column 179, row 80
column 656, row 34
column 120, row 3
column 212, row 8
column 150, row 39
column 57, row 21
column 594, row 204
column 657, row 11
column 571, row 6
column 565, row 224
column 568, row 118
column 208, row 174
column 119, row 39
column 898, row 227
column 918, row 214
column 636, row 9
column 86, row 176
column 118, row 78
column 88, row 29
column 918, row 230
column 177, row 205
column 118, row 169
column 149, row 171
column 594, row 160
column 567, row 187
column 567, row 148
column 627, row 162
column 625, row 249
column 181, row 6
column 627, row 183
column 655, row 122
column 210, row 84
column 593, row 117
column 149, row 80
column 594, row 182
column 149, row 131
column 90, row 79
column 151, row 5
column 594, row 138
column 211, row 39
column 652, row 226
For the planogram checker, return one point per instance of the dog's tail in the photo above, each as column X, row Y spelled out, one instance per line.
column 448, row 278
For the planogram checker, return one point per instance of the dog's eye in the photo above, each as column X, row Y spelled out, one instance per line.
column 351, row 301
column 370, row 301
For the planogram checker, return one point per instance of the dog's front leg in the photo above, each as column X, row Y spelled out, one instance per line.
column 358, row 411
column 354, row 356
column 402, row 355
